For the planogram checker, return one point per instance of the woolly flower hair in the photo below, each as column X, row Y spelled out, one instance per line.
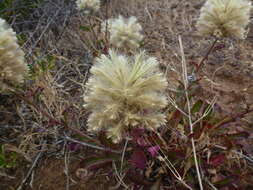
column 224, row 18
column 12, row 65
column 124, row 93
column 88, row 5
column 124, row 32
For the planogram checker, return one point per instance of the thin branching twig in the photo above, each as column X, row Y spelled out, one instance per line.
column 185, row 80
column 91, row 145
column 123, row 155
column 207, row 111
column 119, row 176
column 162, row 157
column 30, row 170
column 66, row 163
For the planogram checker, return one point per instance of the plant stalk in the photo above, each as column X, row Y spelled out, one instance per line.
column 206, row 56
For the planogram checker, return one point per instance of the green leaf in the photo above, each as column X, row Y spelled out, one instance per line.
column 225, row 182
column 210, row 113
column 7, row 159
column 85, row 139
column 2, row 160
column 196, row 107
column 85, row 28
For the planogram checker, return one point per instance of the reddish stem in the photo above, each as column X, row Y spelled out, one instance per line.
column 206, row 56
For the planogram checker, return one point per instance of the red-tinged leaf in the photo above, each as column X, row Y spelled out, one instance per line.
column 105, row 50
column 153, row 150
column 209, row 126
column 193, row 63
column 174, row 118
column 138, row 159
column 52, row 123
column 219, row 47
column 74, row 147
column 138, row 137
column 137, row 186
column 137, row 132
column 217, row 160
column 191, row 135
column 199, row 129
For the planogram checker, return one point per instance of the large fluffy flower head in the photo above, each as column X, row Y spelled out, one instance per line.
column 88, row 6
column 124, row 32
column 124, row 93
column 224, row 18
column 12, row 64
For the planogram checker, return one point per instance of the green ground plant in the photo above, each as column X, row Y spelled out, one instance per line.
column 8, row 159
column 22, row 9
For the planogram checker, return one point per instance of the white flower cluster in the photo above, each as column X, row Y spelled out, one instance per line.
column 224, row 18
column 125, row 92
column 12, row 64
column 88, row 6
column 124, row 32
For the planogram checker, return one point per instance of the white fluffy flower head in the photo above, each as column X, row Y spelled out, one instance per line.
column 124, row 93
column 12, row 65
column 124, row 32
column 224, row 18
column 88, row 6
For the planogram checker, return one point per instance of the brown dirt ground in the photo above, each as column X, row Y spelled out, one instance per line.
column 227, row 74
column 51, row 177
